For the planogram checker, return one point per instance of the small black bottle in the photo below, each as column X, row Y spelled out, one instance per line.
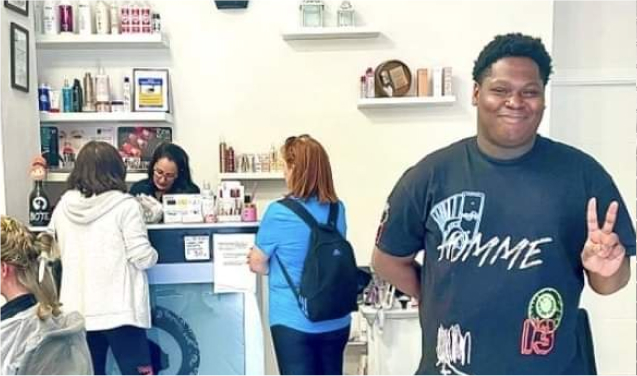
column 78, row 101
column 39, row 206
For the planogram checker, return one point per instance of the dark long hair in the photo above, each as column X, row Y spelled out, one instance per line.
column 98, row 169
column 176, row 154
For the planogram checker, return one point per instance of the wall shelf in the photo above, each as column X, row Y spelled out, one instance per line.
column 101, row 117
column 252, row 176
column 366, row 103
column 102, row 42
column 61, row 176
column 317, row 33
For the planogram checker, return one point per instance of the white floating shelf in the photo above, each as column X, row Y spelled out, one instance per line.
column 314, row 33
column 60, row 177
column 101, row 42
column 252, row 176
column 364, row 103
column 89, row 117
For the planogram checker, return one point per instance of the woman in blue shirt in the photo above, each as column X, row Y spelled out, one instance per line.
column 302, row 347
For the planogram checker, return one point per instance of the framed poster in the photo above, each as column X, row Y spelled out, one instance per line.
column 19, row 6
column 152, row 90
column 19, row 57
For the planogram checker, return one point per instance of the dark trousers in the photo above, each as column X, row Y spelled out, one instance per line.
column 130, row 348
column 300, row 353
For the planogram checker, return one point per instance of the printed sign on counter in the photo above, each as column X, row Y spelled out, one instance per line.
column 197, row 248
column 231, row 270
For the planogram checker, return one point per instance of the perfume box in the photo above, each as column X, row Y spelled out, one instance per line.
column 422, row 82
column 436, row 81
column 447, row 88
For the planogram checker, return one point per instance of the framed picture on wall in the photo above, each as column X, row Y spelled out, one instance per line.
column 151, row 90
column 19, row 6
column 19, row 57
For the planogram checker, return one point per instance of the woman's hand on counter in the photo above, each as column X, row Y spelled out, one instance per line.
column 258, row 261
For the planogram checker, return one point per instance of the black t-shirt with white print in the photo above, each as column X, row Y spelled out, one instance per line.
column 503, row 276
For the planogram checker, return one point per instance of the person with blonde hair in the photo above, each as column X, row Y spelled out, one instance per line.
column 105, row 252
column 302, row 346
column 35, row 333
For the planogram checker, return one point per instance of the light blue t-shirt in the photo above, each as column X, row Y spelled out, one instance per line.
column 282, row 233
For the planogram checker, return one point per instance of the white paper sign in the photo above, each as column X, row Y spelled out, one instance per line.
column 197, row 248
column 231, row 270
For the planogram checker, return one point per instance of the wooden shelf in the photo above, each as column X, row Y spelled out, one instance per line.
column 318, row 33
column 365, row 103
column 252, row 176
column 100, row 117
column 61, row 176
column 102, row 42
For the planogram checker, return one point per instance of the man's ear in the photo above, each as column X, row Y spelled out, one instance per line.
column 475, row 94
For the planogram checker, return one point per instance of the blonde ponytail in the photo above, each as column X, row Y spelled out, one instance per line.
column 33, row 258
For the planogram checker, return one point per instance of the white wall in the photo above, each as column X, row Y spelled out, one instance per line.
column 593, row 108
column 233, row 75
column 19, row 121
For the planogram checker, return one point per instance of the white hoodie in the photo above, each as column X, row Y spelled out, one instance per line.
column 105, row 249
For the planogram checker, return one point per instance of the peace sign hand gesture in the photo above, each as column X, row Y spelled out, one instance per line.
column 603, row 254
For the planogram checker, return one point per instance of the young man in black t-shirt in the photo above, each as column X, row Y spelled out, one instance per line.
column 510, row 223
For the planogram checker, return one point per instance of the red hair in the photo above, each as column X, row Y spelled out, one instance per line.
column 310, row 169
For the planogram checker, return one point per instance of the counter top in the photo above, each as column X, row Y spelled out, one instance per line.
column 394, row 313
column 174, row 226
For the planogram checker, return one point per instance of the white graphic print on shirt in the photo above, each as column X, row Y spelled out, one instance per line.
column 458, row 218
column 453, row 349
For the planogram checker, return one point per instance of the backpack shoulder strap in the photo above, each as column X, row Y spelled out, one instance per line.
column 300, row 211
column 331, row 220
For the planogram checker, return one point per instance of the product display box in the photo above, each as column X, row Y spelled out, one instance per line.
column 182, row 208
column 137, row 144
column 61, row 145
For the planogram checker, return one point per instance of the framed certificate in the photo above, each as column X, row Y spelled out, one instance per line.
column 152, row 90
column 19, row 57
column 20, row 6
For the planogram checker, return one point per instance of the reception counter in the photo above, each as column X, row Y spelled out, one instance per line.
column 195, row 330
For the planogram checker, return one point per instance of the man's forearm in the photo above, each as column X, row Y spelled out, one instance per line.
column 608, row 285
column 400, row 272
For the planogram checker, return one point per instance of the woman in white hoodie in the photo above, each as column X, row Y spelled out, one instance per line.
column 105, row 251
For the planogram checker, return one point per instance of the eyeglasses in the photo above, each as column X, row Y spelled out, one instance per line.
column 166, row 175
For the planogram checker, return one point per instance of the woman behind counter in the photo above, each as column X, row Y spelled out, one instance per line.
column 168, row 172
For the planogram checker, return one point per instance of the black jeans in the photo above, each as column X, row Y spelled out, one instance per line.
column 130, row 348
column 300, row 353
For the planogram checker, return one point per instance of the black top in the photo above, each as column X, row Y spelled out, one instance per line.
column 503, row 274
column 147, row 187
column 17, row 305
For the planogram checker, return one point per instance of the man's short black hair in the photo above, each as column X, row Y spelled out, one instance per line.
column 512, row 45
